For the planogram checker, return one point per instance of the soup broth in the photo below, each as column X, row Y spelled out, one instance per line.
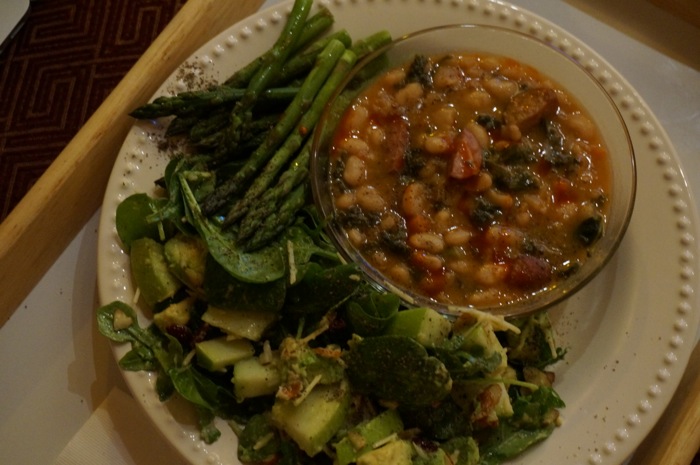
column 469, row 178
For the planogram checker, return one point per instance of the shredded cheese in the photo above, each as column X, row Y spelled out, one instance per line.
column 498, row 322
column 266, row 355
column 137, row 294
column 263, row 441
column 292, row 263
column 307, row 391
column 386, row 440
column 188, row 358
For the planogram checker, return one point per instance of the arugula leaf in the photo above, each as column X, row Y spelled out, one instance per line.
column 463, row 363
column 510, row 442
column 536, row 409
column 259, row 430
column 534, row 345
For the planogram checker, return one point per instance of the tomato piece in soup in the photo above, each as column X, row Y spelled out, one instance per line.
column 466, row 159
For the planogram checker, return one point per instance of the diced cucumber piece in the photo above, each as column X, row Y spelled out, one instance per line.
column 361, row 439
column 249, row 325
column 150, row 271
column 314, row 422
column 253, row 379
column 423, row 324
column 217, row 354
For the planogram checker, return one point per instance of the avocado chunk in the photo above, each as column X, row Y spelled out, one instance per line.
column 361, row 439
column 395, row 453
column 176, row 314
column 254, row 379
column 244, row 324
column 481, row 339
column 423, row 324
column 150, row 271
column 314, row 421
column 186, row 257
column 217, row 354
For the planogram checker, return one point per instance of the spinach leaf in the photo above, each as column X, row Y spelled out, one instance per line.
column 397, row 368
column 131, row 220
column 370, row 311
column 225, row 291
column 322, row 289
column 304, row 247
column 261, row 266
column 441, row 421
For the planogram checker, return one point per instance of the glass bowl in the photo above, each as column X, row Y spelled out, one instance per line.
column 554, row 65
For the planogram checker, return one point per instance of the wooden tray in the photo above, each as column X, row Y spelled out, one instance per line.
column 68, row 194
column 687, row 10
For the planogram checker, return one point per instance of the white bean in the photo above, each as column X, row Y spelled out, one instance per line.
column 482, row 137
column 491, row 274
column 444, row 118
column 448, row 77
column 356, row 147
column 369, row 199
column 430, row 242
column 358, row 117
column 457, row 237
column 501, row 89
column 356, row 237
column 478, row 100
column 427, row 261
column 400, row 273
column 414, row 199
column 500, row 199
column 459, row 266
column 355, row 171
column 345, row 200
column 410, row 94
column 437, row 144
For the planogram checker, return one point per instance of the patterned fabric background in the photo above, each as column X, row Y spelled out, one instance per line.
column 56, row 71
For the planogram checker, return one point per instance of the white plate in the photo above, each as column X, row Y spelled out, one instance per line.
column 629, row 333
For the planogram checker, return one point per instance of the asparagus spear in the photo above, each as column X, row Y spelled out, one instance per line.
column 312, row 84
column 269, row 202
column 263, row 266
column 314, row 27
column 278, row 54
column 301, row 63
column 186, row 103
column 275, row 224
column 305, row 126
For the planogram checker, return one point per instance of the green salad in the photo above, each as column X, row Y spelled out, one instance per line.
column 257, row 320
